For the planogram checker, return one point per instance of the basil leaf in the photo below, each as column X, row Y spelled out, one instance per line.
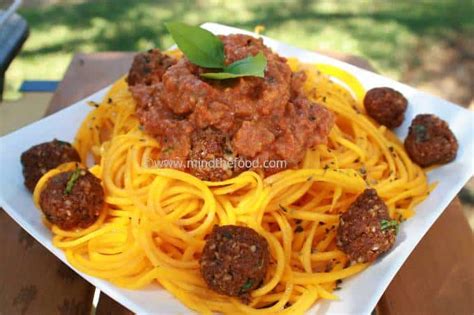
column 221, row 75
column 200, row 46
column 250, row 66
column 204, row 49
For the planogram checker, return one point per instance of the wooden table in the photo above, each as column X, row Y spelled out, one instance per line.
column 438, row 277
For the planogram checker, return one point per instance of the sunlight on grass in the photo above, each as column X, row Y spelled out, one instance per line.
column 385, row 33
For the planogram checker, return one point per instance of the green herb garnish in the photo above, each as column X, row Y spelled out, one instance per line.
column 167, row 150
column 206, row 50
column 227, row 235
column 247, row 285
column 63, row 143
column 250, row 66
column 72, row 181
column 200, row 46
column 420, row 133
column 389, row 224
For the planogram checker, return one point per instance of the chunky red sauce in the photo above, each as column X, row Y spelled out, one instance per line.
column 249, row 118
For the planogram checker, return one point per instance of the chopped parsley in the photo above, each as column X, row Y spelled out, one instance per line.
column 389, row 224
column 247, row 285
column 63, row 143
column 420, row 133
column 72, row 181
column 167, row 150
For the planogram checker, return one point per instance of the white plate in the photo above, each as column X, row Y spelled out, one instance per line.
column 358, row 294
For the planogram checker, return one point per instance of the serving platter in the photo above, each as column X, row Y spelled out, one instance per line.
column 358, row 294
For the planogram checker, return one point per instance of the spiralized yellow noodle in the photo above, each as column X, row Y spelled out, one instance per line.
column 155, row 221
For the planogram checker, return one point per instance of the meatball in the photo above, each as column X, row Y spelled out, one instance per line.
column 365, row 231
column 43, row 157
column 148, row 67
column 72, row 199
column 234, row 260
column 211, row 155
column 386, row 106
column 430, row 141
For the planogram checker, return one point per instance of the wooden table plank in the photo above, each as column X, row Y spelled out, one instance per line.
column 33, row 280
column 108, row 306
column 438, row 277
column 87, row 74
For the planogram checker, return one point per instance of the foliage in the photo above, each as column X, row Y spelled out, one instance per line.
column 385, row 32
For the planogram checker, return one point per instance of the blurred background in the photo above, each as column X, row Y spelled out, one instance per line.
column 429, row 45
column 426, row 44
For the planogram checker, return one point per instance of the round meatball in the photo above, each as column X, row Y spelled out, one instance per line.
column 149, row 67
column 366, row 231
column 211, row 155
column 72, row 199
column 43, row 157
column 430, row 141
column 386, row 106
column 235, row 260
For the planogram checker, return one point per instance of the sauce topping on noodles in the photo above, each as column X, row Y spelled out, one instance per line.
column 248, row 118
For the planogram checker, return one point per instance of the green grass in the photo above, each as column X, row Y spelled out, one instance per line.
column 386, row 33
